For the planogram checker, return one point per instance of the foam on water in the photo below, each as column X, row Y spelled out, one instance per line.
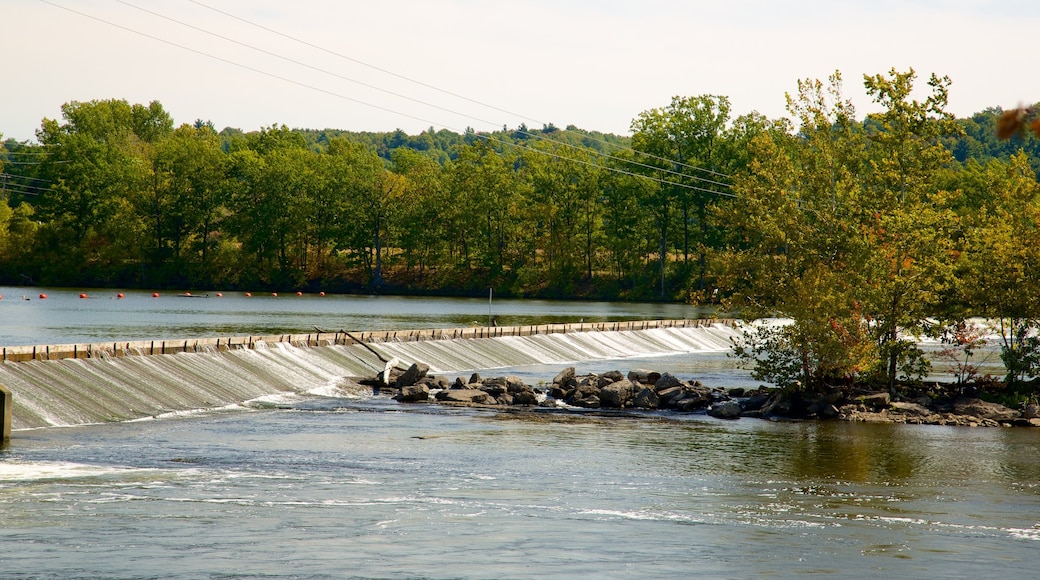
column 18, row 471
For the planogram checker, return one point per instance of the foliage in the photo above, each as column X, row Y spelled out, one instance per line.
column 859, row 231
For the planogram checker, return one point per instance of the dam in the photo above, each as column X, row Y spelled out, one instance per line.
column 73, row 384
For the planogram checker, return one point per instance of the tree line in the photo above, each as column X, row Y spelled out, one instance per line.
column 864, row 231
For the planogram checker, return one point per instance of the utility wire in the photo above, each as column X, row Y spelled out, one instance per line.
column 335, row 94
column 456, row 95
column 406, row 97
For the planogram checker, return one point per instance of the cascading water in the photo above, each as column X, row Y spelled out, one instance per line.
column 78, row 391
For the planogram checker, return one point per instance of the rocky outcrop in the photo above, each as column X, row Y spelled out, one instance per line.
column 645, row 390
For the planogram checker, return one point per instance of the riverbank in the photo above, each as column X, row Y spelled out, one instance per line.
column 644, row 390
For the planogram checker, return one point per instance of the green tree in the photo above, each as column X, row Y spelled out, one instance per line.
column 999, row 265
column 907, row 216
column 685, row 140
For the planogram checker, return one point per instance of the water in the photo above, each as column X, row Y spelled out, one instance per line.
column 64, row 318
column 319, row 481
column 333, row 488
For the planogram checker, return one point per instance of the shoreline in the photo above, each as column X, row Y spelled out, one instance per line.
column 645, row 390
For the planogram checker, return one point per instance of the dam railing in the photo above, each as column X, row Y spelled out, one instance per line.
column 326, row 338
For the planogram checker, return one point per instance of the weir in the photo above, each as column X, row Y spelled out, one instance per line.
column 60, row 385
column 5, row 415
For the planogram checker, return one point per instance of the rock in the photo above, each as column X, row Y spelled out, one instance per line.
column 907, row 408
column 475, row 379
column 756, row 402
column 493, row 389
column 668, row 395
column 525, row 396
column 565, row 376
column 825, row 405
column 617, row 394
column 690, row 401
column 1031, row 411
column 725, row 410
column 640, row 375
column 558, row 392
column 646, row 399
column 736, row 392
column 414, row 394
column 515, row 384
column 876, row 400
column 614, row 376
column 462, row 396
column 666, row 381
column 983, row 410
column 411, row 376
column 459, row 383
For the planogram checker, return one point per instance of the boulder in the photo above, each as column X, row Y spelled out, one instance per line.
column 646, row 399
column 475, row 379
column 614, row 376
column 617, row 394
column 825, row 406
column 411, row 376
column 463, row 396
column 525, row 396
column 756, row 401
column 983, row 410
column 414, row 394
column 725, row 410
column 565, row 376
column 515, row 384
column 876, row 400
column 643, row 376
column 666, row 381
column 493, row 389
column 559, row 392
column 908, row 408
column 666, row 396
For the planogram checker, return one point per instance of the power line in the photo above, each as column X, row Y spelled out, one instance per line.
column 341, row 96
column 450, row 93
column 399, row 95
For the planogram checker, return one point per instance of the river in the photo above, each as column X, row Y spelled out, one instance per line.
column 345, row 484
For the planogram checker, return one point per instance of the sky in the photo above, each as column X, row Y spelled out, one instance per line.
column 365, row 65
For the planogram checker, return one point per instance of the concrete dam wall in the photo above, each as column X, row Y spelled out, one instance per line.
column 61, row 385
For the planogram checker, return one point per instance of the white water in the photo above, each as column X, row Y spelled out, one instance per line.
column 82, row 391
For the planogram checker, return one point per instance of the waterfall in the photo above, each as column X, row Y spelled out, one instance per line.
column 79, row 391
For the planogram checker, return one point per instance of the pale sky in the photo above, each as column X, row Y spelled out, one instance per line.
column 592, row 63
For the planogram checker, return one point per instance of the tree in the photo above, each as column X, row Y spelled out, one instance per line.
column 98, row 160
column 796, row 251
column 999, row 259
column 187, row 202
column 907, row 216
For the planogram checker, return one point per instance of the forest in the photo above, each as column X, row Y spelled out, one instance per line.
column 862, row 230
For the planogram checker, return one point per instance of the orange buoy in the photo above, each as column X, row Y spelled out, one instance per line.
column 120, row 295
column 1, row 296
column 249, row 294
column 155, row 294
column 187, row 294
column 220, row 295
column 275, row 294
column 299, row 293
column 83, row 295
column 43, row 296
column 322, row 293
